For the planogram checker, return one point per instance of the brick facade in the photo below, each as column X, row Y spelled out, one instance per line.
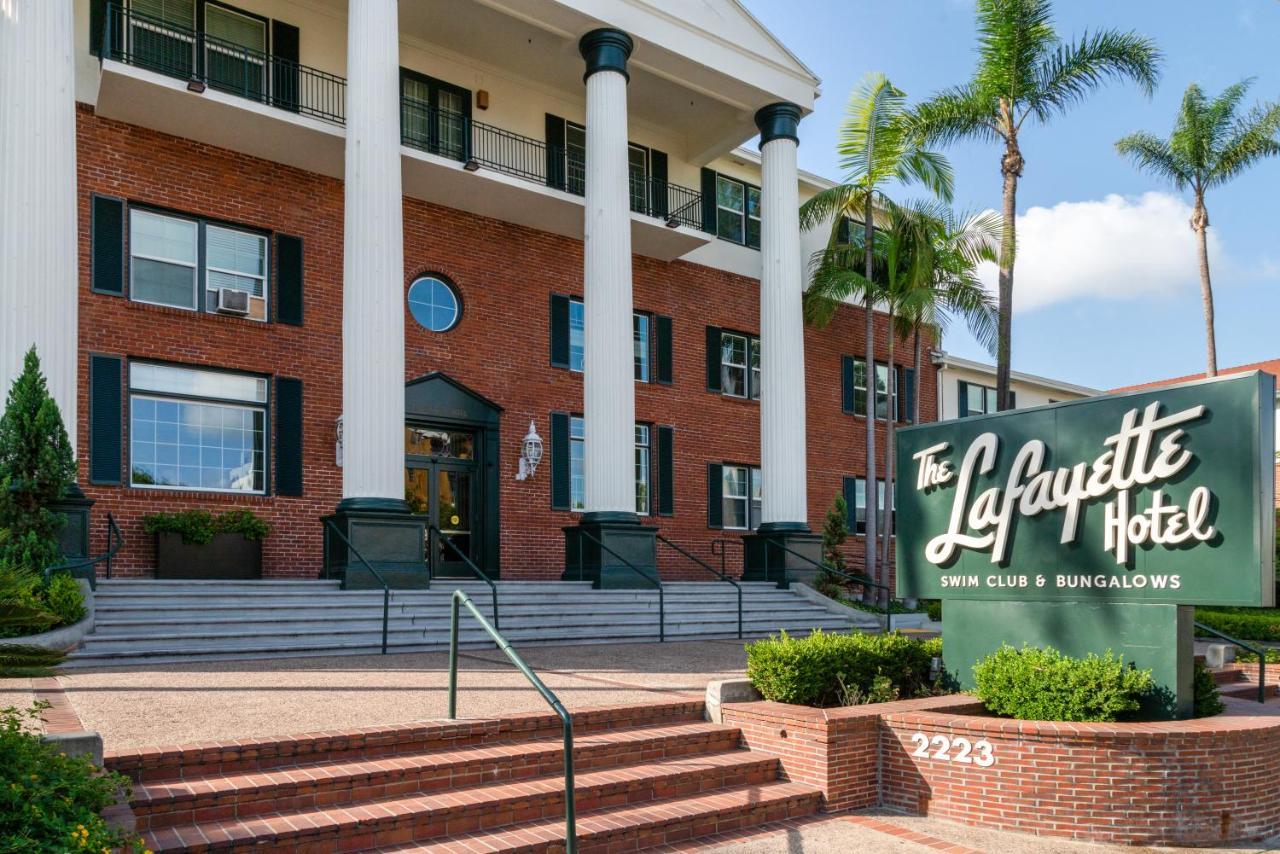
column 1197, row 782
column 505, row 275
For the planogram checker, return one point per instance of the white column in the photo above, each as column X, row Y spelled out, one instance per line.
column 782, row 412
column 609, row 407
column 373, row 259
column 38, row 258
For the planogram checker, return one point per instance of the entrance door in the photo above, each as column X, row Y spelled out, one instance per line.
column 441, row 484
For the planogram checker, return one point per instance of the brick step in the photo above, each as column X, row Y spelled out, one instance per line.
column 306, row 786
column 641, row 827
column 1228, row 675
column 1247, row 689
column 189, row 762
column 423, row 817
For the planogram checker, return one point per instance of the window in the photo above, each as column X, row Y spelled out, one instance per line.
column 638, row 177
column 977, row 399
column 737, row 211
column 577, row 458
column 235, row 53
column 642, row 469
column 575, row 156
column 859, row 508
column 434, row 115
column 742, row 491
column 886, row 390
column 434, row 304
column 641, row 340
column 165, row 268
column 195, row 429
column 739, row 365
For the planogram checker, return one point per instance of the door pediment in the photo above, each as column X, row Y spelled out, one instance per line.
column 438, row 397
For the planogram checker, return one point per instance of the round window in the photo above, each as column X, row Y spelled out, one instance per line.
column 434, row 303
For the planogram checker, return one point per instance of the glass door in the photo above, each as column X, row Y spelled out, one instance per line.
column 441, row 483
column 235, row 52
column 162, row 35
column 453, row 513
column 434, row 115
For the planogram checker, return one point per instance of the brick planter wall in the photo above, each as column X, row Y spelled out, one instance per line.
column 1200, row 782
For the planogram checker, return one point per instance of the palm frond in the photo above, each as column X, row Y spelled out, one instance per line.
column 1153, row 155
column 1253, row 138
column 827, row 206
column 932, row 170
column 1073, row 71
column 954, row 115
column 1014, row 36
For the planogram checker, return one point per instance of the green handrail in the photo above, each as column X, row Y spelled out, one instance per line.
column 1261, row 653
column 856, row 579
column 461, row 598
column 662, row 605
column 479, row 573
column 386, row 588
column 113, row 534
column 713, row 571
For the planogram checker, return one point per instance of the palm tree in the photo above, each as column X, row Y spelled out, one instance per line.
column 876, row 149
column 1024, row 71
column 1210, row 145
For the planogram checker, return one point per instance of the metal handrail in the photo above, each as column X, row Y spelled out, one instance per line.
column 1260, row 652
column 461, row 598
column 113, row 533
column 280, row 82
column 479, row 573
column 386, row 588
column 722, row 576
column 856, row 579
column 662, row 605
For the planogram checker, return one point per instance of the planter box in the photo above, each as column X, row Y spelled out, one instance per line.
column 228, row 557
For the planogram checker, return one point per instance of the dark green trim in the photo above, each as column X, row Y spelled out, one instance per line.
column 778, row 121
column 962, row 394
column 658, row 183
column 106, row 257
column 606, row 49
column 715, row 495
column 559, row 331
column 285, row 90
column 289, row 280
column 610, row 517
column 106, row 419
column 907, row 395
column 713, row 359
column 666, row 471
column 554, row 134
column 434, row 87
column 366, row 504
column 289, row 427
column 561, row 487
column 848, row 377
column 708, row 200
column 849, row 487
column 664, row 368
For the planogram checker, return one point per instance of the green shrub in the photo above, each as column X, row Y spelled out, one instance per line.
column 36, row 466
column 896, row 606
column 1244, row 656
column 197, row 526
column 1045, row 685
column 50, row 801
column 835, row 530
column 933, row 607
column 63, row 598
column 1245, row 623
column 24, row 661
column 826, row 670
column 1206, row 702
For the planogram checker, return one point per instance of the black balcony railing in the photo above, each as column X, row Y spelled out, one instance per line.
column 218, row 64
column 210, row 62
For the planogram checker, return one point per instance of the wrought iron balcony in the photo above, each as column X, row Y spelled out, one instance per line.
column 208, row 62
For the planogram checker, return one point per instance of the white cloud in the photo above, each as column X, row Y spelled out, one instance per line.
column 1118, row 248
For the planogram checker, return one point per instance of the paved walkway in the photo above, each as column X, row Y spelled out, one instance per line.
column 167, row 704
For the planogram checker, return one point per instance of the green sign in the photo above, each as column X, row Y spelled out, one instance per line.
column 1163, row 496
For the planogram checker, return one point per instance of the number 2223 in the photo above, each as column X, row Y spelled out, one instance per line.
column 979, row 753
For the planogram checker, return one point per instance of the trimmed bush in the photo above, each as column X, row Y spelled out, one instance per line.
column 197, row 526
column 1045, row 685
column 933, row 607
column 828, row 670
column 1244, row 656
column 1245, row 623
column 63, row 598
column 1206, row 702
column 50, row 801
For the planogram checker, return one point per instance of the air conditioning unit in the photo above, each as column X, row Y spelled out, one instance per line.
column 232, row 301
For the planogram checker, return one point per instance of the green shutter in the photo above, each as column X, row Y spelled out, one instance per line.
column 288, row 449
column 289, row 276
column 555, row 152
column 97, row 25
column 1013, row 399
column 665, row 364
column 962, row 390
column 666, row 471
column 846, row 384
column 107, row 254
column 561, row 487
column 708, row 200
column 844, row 231
column 713, row 359
column 284, row 65
column 658, row 183
column 850, row 490
column 559, row 331
column 106, row 394
column 715, row 495
column 907, row 395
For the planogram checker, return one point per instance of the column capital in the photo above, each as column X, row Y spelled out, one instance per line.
column 606, row 49
column 778, row 121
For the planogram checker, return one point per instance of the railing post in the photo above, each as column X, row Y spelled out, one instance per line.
column 1262, row 675
column 386, row 609
column 662, row 615
column 453, row 656
column 739, row 611
column 570, row 810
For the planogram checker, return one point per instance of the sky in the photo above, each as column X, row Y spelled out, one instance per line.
column 1106, row 285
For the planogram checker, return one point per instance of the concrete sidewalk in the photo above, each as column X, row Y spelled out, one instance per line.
column 169, row 704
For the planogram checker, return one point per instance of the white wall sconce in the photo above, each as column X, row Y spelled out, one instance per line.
column 337, row 443
column 530, row 453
